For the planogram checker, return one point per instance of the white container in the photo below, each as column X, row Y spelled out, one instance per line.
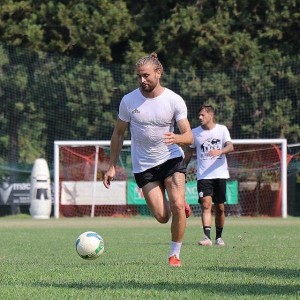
column 40, row 191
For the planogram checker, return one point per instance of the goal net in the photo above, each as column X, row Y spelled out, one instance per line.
column 257, row 185
column 258, row 178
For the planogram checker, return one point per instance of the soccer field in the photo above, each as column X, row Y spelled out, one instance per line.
column 261, row 260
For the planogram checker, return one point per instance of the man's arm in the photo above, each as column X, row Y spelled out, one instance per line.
column 188, row 154
column 228, row 147
column 184, row 138
column 116, row 144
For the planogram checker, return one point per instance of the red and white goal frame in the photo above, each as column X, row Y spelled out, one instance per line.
column 282, row 145
column 278, row 146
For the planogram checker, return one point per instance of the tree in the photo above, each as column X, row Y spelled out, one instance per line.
column 75, row 28
column 64, row 74
column 17, row 106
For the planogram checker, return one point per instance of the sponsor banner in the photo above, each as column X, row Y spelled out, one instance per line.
column 14, row 193
column 82, row 192
column 87, row 193
column 18, row 193
column 135, row 195
column 191, row 193
column 232, row 192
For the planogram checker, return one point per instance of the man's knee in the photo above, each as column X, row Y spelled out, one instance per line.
column 162, row 219
column 220, row 208
column 206, row 205
column 177, row 207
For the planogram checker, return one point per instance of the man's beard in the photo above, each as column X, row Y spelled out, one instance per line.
column 147, row 88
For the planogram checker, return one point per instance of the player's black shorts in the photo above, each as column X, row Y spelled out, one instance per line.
column 216, row 188
column 161, row 172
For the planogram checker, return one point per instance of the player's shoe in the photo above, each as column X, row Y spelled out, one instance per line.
column 220, row 242
column 174, row 261
column 205, row 242
column 188, row 211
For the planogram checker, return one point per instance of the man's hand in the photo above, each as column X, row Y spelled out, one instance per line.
column 215, row 152
column 170, row 138
column 109, row 176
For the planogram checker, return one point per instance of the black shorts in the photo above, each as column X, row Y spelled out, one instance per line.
column 161, row 172
column 216, row 188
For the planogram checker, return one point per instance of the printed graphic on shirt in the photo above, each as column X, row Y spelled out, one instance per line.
column 135, row 111
column 207, row 146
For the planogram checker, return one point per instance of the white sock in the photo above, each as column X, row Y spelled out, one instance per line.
column 175, row 249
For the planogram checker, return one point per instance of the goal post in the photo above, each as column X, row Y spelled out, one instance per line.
column 57, row 169
column 283, row 164
column 258, row 178
column 259, row 166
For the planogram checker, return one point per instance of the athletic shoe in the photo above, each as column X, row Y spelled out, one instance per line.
column 220, row 242
column 188, row 211
column 174, row 261
column 205, row 242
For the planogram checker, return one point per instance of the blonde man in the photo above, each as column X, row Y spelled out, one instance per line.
column 157, row 159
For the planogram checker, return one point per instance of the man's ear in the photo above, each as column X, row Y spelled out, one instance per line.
column 158, row 74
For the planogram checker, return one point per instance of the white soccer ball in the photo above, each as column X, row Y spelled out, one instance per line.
column 89, row 245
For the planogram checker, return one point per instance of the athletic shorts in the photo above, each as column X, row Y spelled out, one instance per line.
column 216, row 188
column 161, row 172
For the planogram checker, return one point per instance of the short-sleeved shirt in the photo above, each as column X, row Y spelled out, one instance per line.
column 205, row 140
column 149, row 119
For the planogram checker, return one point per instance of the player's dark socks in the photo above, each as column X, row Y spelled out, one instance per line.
column 219, row 231
column 207, row 230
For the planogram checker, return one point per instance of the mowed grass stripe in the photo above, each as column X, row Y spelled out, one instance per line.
column 38, row 260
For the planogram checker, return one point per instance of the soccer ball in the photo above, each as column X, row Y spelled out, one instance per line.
column 89, row 245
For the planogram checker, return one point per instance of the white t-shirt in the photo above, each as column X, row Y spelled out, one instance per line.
column 205, row 140
column 149, row 119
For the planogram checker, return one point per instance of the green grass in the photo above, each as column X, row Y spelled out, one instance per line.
column 261, row 260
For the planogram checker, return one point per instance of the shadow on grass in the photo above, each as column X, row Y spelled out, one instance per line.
column 214, row 288
column 267, row 272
